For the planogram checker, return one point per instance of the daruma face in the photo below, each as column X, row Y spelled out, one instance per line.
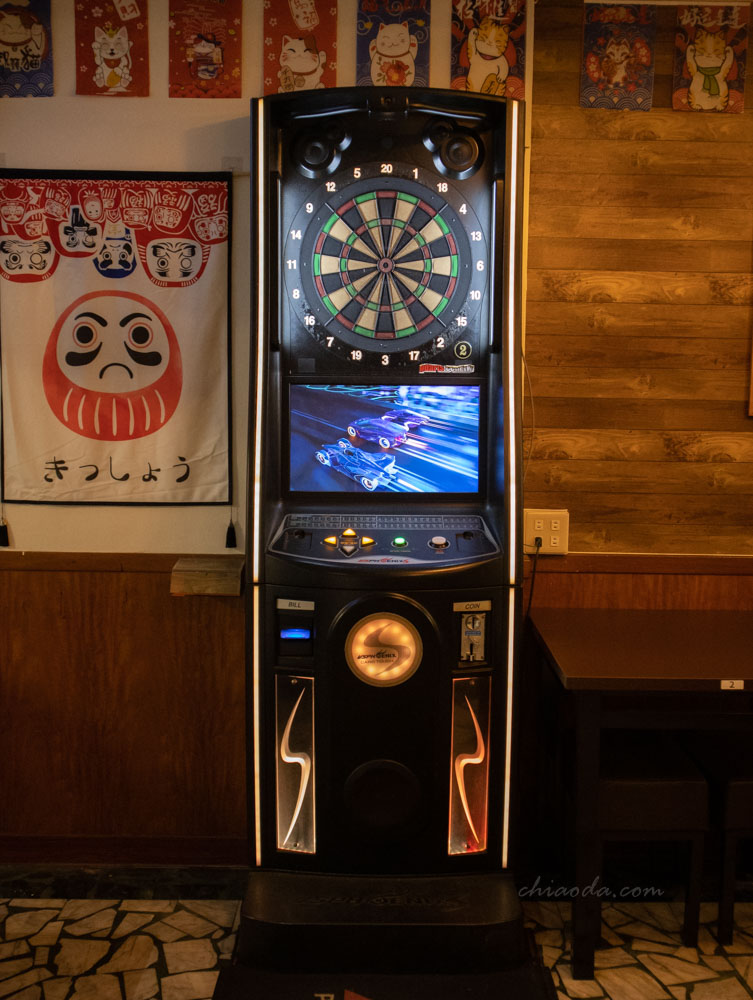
column 112, row 367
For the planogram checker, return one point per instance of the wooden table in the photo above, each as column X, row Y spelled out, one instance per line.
column 633, row 670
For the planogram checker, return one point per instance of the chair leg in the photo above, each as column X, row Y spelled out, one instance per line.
column 586, row 935
column 727, row 888
column 693, row 892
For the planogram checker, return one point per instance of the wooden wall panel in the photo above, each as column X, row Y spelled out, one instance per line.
column 681, row 583
column 639, row 310
column 123, row 713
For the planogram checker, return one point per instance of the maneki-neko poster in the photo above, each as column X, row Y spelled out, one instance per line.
column 205, row 48
column 114, row 337
column 488, row 47
column 300, row 46
column 25, row 49
column 392, row 43
column 617, row 70
column 711, row 47
column 112, row 48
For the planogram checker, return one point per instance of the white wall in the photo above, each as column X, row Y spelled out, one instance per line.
column 67, row 132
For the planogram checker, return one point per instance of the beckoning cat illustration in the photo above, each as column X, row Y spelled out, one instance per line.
column 616, row 62
column 709, row 60
column 393, row 55
column 112, row 57
column 486, row 48
column 302, row 64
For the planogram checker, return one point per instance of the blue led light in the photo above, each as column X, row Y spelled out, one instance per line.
column 295, row 633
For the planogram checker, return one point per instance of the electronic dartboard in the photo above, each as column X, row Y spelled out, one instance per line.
column 384, row 559
column 378, row 263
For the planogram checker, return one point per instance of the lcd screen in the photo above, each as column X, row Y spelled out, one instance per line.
column 384, row 438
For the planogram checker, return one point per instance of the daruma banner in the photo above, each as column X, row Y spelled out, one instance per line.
column 114, row 332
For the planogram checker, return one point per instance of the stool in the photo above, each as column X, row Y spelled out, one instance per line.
column 650, row 790
column 727, row 761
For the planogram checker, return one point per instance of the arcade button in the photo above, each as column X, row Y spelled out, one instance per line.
column 399, row 542
column 349, row 533
column 366, row 540
column 439, row 542
column 331, row 540
column 348, row 549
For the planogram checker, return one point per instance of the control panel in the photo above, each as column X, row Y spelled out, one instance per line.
column 384, row 539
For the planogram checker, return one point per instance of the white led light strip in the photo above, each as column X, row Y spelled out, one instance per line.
column 511, row 325
column 261, row 193
column 511, row 480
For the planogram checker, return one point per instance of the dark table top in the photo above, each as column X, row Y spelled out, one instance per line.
column 619, row 650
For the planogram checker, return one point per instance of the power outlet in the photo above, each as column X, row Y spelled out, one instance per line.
column 551, row 526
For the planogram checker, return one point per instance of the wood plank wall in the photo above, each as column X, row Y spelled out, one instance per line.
column 122, row 714
column 639, row 310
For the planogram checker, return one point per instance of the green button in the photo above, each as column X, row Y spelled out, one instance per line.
column 399, row 541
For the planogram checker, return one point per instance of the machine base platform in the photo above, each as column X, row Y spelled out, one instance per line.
column 297, row 922
column 526, row 982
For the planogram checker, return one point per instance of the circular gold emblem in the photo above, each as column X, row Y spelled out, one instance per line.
column 383, row 649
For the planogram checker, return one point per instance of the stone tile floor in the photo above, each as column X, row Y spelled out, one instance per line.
column 148, row 946
column 113, row 949
column 641, row 956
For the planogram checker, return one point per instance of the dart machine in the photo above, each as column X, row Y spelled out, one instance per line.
column 385, row 562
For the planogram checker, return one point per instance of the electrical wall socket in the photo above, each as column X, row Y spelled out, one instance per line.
column 551, row 526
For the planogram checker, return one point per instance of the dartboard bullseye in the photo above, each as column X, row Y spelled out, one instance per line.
column 386, row 265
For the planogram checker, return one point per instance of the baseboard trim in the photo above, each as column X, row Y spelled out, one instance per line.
column 168, row 851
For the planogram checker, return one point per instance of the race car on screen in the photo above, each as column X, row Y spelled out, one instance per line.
column 389, row 430
column 408, row 418
column 369, row 471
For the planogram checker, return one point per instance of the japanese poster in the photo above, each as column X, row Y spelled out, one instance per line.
column 112, row 48
column 25, row 49
column 488, row 45
column 392, row 43
column 711, row 48
column 617, row 69
column 114, row 337
column 205, row 48
column 300, row 43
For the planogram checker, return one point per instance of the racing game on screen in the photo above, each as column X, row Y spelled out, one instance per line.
column 384, row 438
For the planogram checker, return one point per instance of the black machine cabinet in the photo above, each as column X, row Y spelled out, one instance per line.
column 385, row 554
